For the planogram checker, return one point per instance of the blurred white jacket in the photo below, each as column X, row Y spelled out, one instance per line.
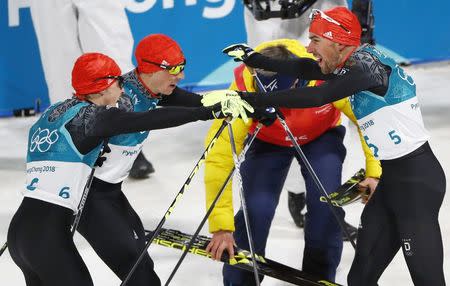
column 276, row 28
column 67, row 28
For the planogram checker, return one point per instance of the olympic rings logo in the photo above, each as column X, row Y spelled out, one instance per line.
column 43, row 139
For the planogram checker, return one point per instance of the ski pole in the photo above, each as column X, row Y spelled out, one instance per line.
column 76, row 221
column 213, row 204
column 3, row 248
column 86, row 190
column 311, row 171
column 243, row 203
column 177, row 198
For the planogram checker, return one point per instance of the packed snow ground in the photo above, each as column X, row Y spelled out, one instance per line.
column 174, row 153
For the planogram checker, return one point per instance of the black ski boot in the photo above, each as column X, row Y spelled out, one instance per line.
column 141, row 167
column 296, row 203
column 353, row 231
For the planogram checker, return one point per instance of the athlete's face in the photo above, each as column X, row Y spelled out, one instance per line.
column 327, row 53
column 162, row 82
column 111, row 95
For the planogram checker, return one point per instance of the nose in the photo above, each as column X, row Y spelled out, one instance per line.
column 309, row 48
column 180, row 76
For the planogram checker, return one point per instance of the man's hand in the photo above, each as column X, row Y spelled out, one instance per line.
column 101, row 159
column 240, row 52
column 267, row 116
column 220, row 241
column 236, row 107
column 231, row 104
column 368, row 187
column 217, row 96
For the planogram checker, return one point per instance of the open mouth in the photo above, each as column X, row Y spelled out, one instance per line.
column 318, row 59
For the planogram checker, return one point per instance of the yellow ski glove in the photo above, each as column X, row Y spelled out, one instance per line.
column 239, row 52
column 230, row 102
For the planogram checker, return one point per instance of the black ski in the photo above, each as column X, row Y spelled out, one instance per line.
column 349, row 192
column 242, row 259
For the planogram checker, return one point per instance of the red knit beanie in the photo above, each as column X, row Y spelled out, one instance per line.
column 159, row 49
column 347, row 32
column 90, row 71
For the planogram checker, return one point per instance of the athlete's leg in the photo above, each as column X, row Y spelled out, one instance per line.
column 378, row 241
column 115, row 232
column 411, row 191
column 14, row 248
column 323, row 235
column 63, row 264
column 44, row 244
column 263, row 173
column 416, row 200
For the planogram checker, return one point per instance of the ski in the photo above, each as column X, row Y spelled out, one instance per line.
column 348, row 192
column 242, row 259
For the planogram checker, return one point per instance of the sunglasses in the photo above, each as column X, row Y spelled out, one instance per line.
column 118, row 78
column 317, row 12
column 173, row 70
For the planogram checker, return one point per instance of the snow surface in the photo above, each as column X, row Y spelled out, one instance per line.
column 174, row 152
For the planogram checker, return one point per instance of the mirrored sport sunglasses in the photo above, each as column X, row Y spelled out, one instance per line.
column 118, row 78
column 317, row 12
column 173, row 70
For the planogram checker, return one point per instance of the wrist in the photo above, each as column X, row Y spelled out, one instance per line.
column 250, row 97
column 224, row 230
column 248, row 54
column 205, row 113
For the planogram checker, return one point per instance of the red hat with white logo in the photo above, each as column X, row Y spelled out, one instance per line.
column 338, row 24
column 92, row 73
column 155, row 50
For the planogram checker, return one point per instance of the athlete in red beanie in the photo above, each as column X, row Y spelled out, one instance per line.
column 157, row 51
column 383, row 99
column 338, row 25
column 93, row 73
column 67, row 139
column 149, row 90
column 160, row 64
column 334, row 35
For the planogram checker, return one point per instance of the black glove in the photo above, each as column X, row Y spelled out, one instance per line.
column 239, row 52
column 266, row 116
column 101, row 159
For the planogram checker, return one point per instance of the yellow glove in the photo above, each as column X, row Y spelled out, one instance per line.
column 231, row 104
column 217, row 96
column 239, row 52
column 235, row 106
